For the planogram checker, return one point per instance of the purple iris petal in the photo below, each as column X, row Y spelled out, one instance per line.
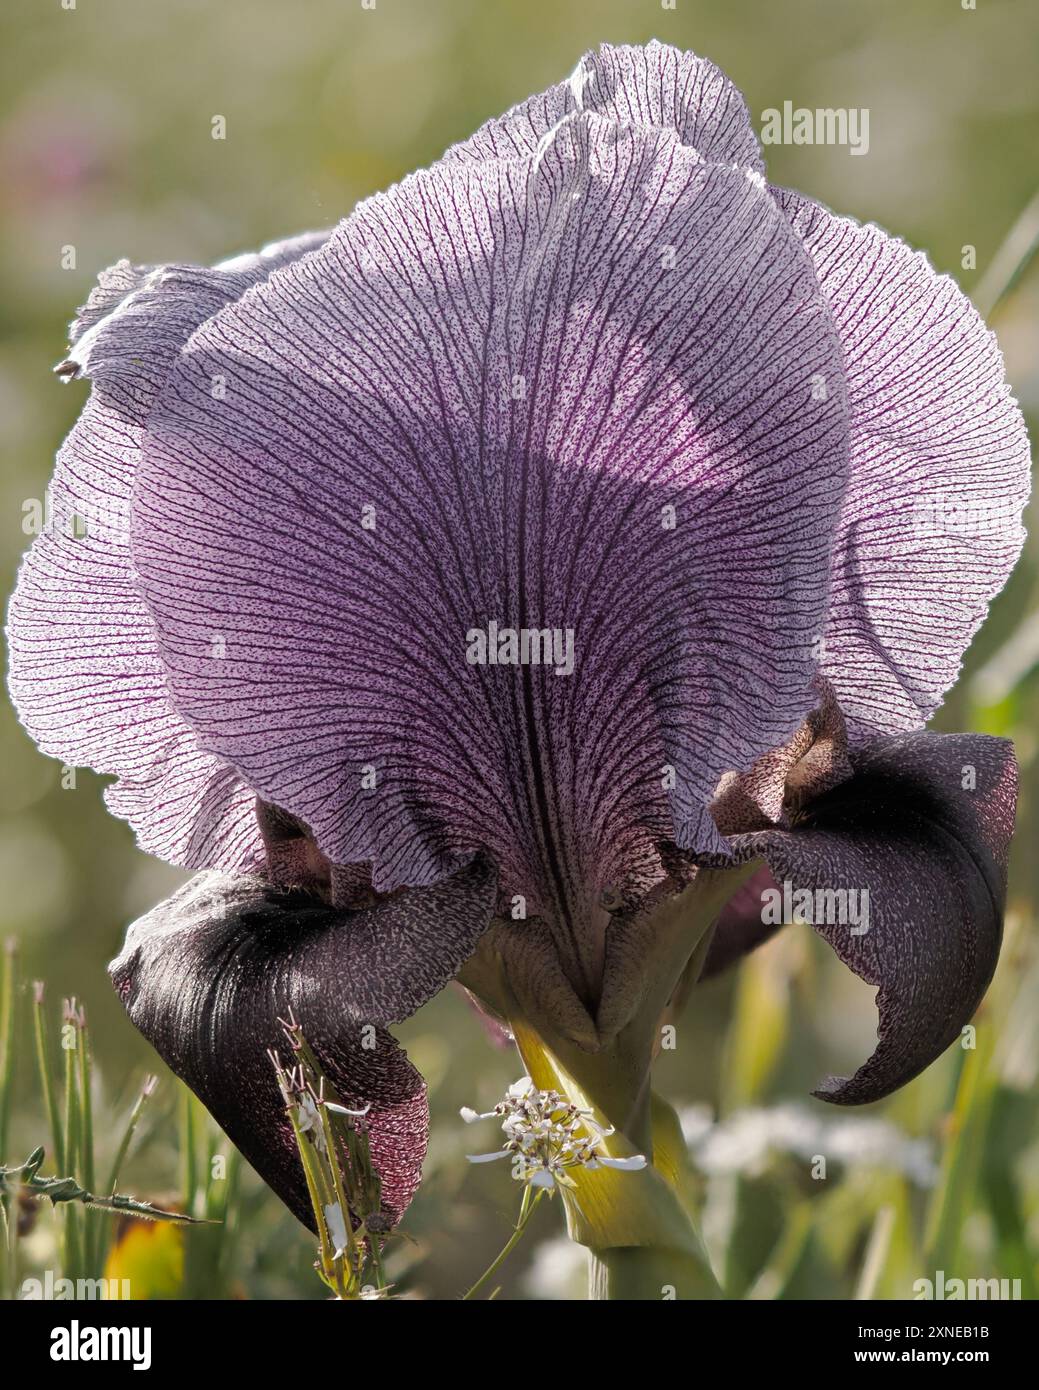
column 931, row 525
column 207, row 975
column 740, row 927
column 550, row 426
column 922, row 828
column 85, row 673
column 652, row 86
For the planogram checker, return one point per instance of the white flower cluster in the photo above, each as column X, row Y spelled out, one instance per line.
column 745, row 1141
column 546, row 1135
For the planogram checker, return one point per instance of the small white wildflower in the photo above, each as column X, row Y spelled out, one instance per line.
column 550, row 1135
column 308, row 1117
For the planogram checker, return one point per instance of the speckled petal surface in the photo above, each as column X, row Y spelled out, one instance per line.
column 84, row 671
column 565, row 392
column 207, row 975
column 922, row 828
column 931, row 525
column 655, row 85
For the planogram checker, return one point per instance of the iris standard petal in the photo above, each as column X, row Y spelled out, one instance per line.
column 569, row 393
column 931, row 525
column 84, row 673
column 940, row 465
column 207, row 975
column 654, row 85
column 922, row 830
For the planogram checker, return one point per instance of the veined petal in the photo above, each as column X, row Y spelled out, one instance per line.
column 470, row 1116
column 918, row 836
column 654, row 85
column 345, row 1109
column 207, row 976
column 84, row 673
column 931, row 524
column 488, row 403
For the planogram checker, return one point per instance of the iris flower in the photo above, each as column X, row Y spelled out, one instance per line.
column 513, row 583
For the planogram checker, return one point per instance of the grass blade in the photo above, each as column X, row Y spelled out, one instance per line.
column 8, row 1012
column 1011, row 261
column 43, row 1063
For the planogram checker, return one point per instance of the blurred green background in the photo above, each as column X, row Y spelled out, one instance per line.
column 105, row 146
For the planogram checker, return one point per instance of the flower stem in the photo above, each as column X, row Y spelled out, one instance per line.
column 645, row 1272
column 527, row 1208
column 73, row 1164
column 638, row 1226
column 8, row 1034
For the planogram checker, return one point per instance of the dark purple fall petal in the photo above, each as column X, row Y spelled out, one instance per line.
column 85, row 673
column 787, row 777
column 923, row 826
column 207, row 975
